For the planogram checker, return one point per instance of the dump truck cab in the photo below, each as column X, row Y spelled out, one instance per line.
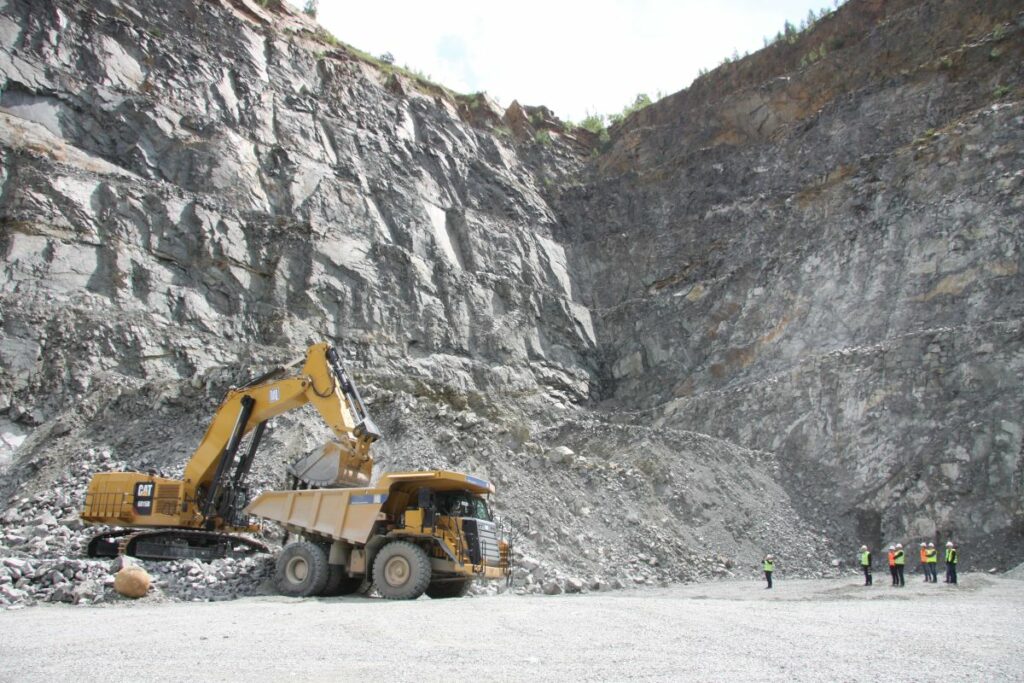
column 412, row 533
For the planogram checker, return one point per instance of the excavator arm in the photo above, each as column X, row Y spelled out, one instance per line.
column 215, row 471
column 212, row 492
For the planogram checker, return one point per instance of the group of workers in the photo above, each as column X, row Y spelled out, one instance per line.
column 897, row 562
column 929, row 556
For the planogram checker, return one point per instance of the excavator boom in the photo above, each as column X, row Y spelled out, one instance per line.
column 212, row 493
column 323, row 383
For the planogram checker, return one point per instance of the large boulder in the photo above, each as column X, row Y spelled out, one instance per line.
column 132, row 581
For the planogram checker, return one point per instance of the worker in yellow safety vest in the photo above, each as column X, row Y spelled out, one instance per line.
column 769, row 567
column 952, row 559
column 900, row 559
column 865, row 564
column 932, row 559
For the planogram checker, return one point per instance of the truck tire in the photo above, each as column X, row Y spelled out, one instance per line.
column 449, row 589
column 401, row 571
column 301, row 570
column 339, row 582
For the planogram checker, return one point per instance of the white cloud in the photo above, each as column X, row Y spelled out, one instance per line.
column 573, row 57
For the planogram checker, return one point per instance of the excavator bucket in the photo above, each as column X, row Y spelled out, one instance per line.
column 333, row 466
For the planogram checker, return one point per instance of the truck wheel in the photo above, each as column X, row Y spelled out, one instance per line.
column 339, row 582
column 401, row 571
column 449, row 589
column 301, row 570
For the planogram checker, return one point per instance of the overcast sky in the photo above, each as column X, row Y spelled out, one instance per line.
column 575, row 57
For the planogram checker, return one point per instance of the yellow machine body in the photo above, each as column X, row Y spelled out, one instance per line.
column 127, row 498
column 135, row 499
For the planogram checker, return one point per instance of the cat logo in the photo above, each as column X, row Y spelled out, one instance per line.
column 143, row 504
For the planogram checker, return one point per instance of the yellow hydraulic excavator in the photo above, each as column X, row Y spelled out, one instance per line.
column 201, row 514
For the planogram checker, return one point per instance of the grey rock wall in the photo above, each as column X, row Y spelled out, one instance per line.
column 820, row 261
column 763, row 239
column 218, row 184
column 193, row 191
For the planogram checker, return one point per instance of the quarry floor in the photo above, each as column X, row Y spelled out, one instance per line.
column 831, row 629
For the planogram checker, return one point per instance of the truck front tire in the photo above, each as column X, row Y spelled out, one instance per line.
column 301, row 570
column 401, row 571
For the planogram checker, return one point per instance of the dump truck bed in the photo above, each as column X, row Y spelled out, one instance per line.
column 341, row 514
column 349, row 514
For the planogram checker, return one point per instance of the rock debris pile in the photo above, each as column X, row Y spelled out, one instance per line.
column 43, row 559
column 623, row 515
column 611, row 505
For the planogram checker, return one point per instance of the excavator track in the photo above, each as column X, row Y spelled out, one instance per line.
column 106, row 543
column 173, row 544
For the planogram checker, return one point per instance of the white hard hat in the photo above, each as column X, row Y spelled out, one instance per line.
column 931, row 545
column 924, row 545
column 863, row 547
column 899, row 546
column 892, row 548
column 949, row 544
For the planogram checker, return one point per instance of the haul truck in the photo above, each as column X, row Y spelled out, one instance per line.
column 412, row 533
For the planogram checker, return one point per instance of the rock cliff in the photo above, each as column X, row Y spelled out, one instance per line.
column 822, row 258
column 818, row 259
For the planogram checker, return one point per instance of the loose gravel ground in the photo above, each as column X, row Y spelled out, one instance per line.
column 832, row 629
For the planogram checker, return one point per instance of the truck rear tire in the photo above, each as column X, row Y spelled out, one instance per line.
column 401, row 571
column 449, row 589
column 339, row 582
column 301, row 570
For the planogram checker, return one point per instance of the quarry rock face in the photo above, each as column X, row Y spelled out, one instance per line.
column 221, row 184
column 814, row 261
column 829, row 267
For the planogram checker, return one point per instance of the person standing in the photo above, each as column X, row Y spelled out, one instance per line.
column 769, row 567
column 924, row 562
column 952, row 559
column 933, row 561
column 900, row 559
column 865, row 564
column 892, row 565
